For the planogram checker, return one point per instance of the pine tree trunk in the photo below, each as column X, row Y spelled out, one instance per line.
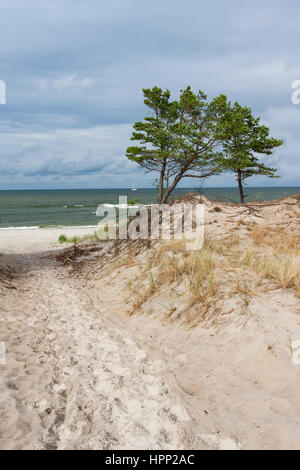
column 240, row 183
column 161, row 183
column 173, row 186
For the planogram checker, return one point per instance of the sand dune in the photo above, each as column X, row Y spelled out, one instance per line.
column 82, row 374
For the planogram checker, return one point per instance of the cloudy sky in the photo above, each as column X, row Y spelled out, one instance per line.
column 74, row 71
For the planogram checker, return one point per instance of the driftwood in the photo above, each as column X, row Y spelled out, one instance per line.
column 71, row 253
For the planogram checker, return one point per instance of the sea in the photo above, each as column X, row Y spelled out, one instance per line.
column 25, row 209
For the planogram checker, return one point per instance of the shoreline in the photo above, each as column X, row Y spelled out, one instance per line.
column 36, row 239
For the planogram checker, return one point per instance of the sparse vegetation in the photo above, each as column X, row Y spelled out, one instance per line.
column 133, row 202
column 247, row 260
column 90, row 237
column 207, row 272
column 170, row 266
column 279, row 240
column 142, row 294
column 284, row 270
column 62, row 239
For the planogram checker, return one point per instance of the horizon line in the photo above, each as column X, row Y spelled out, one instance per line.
column 146, row 187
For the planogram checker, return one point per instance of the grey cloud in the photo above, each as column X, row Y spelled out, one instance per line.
column 74, row 73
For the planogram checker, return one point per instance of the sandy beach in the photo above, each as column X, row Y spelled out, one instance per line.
column 93, row 362
column 32, row 240
column 72, row 379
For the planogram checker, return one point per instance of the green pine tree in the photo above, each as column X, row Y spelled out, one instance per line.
column 178, row 139
column 243, row 139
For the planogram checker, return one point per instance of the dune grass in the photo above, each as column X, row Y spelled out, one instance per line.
column 89, row 237
column 277, row 239
column 284, row 270
column 206, row 272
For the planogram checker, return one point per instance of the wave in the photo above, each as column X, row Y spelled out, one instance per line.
column 39, row 227
column 123, row 206
column 20, row 228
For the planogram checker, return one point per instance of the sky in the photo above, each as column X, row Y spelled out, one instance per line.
column 74, row 72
